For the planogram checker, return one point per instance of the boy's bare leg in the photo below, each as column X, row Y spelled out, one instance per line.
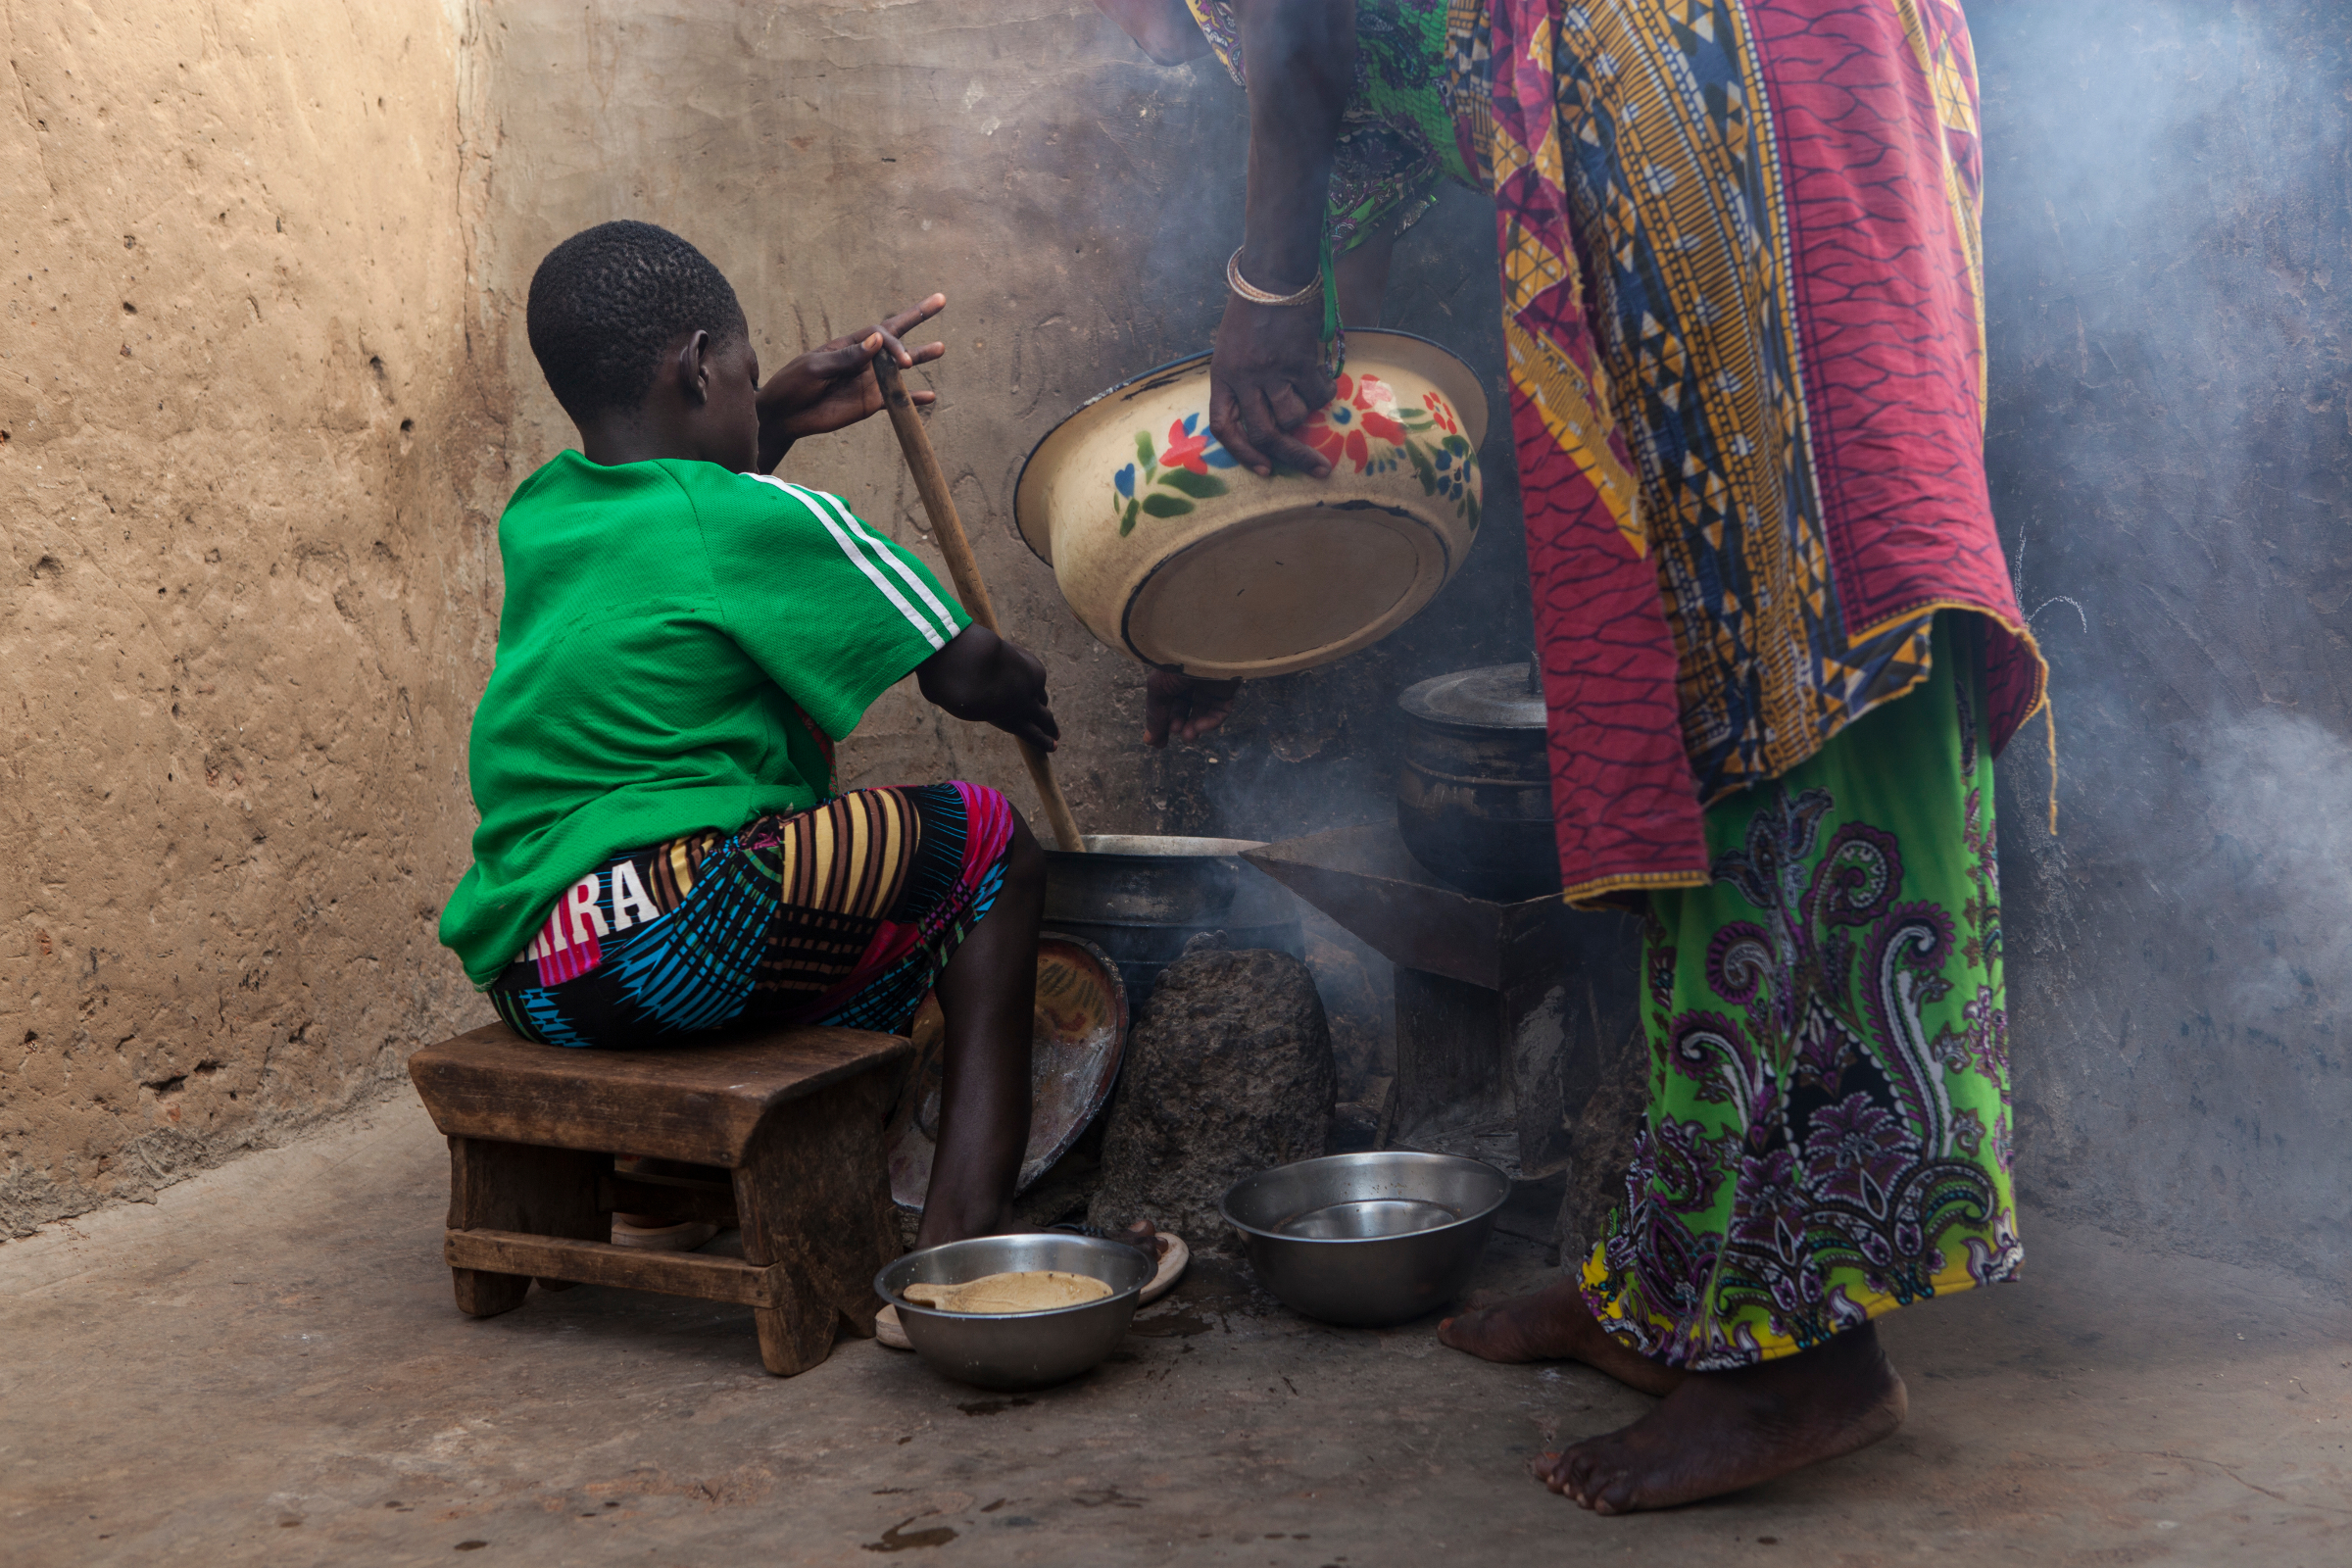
column 988, row 993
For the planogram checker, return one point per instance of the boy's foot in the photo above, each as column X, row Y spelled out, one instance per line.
column 682, row 1237
column 1721, row 1432
column 1554, row 1325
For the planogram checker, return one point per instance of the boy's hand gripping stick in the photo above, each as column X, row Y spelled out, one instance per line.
column 947, row 529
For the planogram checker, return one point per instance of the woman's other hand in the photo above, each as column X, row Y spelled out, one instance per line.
column 832, row 386
column 1183, row 707
column 1265, row 379
column 982, row 677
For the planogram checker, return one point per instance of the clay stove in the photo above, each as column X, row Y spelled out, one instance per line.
column 1507, row 1015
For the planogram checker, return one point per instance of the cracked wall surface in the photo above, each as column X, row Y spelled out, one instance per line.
column 246, row 402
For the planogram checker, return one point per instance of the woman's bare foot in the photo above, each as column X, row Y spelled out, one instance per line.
column 1723, row 1431
column 1553, row 1325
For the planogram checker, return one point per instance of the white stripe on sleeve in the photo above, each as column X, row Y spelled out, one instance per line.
column 913, row 580
column 858, row 558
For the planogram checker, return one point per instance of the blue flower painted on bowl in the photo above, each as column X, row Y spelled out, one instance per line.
column 1125, row 482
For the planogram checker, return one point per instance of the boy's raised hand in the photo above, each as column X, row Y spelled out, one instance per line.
column 982, row 677
column 832, row 385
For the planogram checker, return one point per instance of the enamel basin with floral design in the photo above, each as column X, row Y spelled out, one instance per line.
column 1169, row 549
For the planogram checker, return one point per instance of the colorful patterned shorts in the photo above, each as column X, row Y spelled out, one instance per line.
column 842, row 915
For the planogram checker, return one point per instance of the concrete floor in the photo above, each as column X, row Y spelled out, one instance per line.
column 265, row 1366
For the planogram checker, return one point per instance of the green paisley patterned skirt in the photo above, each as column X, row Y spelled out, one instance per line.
column 1828, row 1135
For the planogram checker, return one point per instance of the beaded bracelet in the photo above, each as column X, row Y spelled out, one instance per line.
column 1242, row 287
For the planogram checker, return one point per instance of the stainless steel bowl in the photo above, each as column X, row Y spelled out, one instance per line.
column 1367, row 1240
column 1018, row 1349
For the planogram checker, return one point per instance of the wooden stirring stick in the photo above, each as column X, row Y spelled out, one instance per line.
column 947, row 529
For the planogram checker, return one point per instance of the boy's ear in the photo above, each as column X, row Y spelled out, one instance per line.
column 694, row 369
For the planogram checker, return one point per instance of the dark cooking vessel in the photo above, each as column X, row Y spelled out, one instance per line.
column 1142, row 898
column 1474, row 796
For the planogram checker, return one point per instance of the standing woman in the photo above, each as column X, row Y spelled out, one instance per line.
column 1743, row 316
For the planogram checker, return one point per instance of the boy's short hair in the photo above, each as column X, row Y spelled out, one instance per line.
column 609, row 299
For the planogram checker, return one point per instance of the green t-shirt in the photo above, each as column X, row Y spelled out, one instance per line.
column 674, row 639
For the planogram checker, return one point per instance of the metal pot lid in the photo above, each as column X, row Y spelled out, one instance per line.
column 1495, row 696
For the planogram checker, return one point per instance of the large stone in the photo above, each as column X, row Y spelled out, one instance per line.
column 1229, row 1072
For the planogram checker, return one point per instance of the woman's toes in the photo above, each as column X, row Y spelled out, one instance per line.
column 1465, row 1331
column 1608, row 1489
column 1585, row 1475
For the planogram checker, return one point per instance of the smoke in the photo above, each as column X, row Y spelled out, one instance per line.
column 2162, row 267
column 2279, row 851
column 2167, row 240
column 2165, row 236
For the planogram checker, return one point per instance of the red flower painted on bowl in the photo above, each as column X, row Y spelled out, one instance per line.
column 1376, row 402
column 1333, row 433
column 1345, row 428
column 1185, row 449
column 1439, row 412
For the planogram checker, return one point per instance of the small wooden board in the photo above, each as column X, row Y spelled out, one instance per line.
column 577, row 1262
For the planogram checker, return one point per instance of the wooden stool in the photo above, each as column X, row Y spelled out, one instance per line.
column 795, row 1114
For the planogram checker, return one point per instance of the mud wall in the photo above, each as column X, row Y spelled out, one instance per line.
column 247, row 602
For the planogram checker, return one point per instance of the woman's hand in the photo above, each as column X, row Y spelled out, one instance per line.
column 1265, row 379
column 1183, row 707
column 982, row 677
column 832, row 386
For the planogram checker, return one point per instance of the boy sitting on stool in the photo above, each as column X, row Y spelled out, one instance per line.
column 662, row 851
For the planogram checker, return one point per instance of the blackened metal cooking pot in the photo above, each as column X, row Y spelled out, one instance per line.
column 1141, row 898
column 1474, row 796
